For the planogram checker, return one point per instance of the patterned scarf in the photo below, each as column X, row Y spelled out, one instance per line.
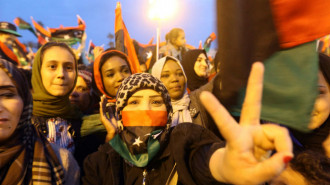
column 181, row 111
column 139, row 143
column 27, row 157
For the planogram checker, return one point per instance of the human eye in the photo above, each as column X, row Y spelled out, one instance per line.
column 179, row 74
column 126, row 70
column 157, row 101
column 69, row 67
column 110, row 75
column 52, row 66
column 133, row 102
column 8, row 94
column 164, row 75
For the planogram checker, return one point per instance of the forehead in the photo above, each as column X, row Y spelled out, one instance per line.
column 171, row 65
column 4, row 78
column 81, row 82
column 114, row 62
column 146, row 93
column 202, row 55
column 58, row 54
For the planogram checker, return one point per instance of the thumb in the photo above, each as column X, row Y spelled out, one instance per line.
column 272, row 167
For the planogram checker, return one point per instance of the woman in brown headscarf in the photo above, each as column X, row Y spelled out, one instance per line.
column 25, row 155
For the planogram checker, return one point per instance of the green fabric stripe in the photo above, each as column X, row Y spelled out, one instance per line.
column 290, row 87
column 140, row 160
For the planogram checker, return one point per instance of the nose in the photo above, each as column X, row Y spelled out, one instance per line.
column 60, row 72
column 174, row 78
column 74, row 94
column 204, row 63
column 120, row 77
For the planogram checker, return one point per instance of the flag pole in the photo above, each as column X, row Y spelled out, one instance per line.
column 158, row 38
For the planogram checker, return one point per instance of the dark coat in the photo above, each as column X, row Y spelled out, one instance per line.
column 187, row 152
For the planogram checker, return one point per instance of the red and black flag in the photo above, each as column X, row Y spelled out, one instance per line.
column 69, row 35
column 21, row 52
column 42, row 34
column 90, row 53
column 124, row 42
column 281, row 34
column 23, row 25
column 7, row 54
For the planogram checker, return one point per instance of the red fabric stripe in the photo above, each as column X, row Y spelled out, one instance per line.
column 144, row 118
column 128, row 42
column 298, row 22
column 10, row 54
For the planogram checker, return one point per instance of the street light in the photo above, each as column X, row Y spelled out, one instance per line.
column 161, row 10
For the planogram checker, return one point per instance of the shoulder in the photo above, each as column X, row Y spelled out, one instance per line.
column 69, row 164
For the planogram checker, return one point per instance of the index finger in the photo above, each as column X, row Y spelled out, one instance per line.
column 252, row 102
column 224, row 121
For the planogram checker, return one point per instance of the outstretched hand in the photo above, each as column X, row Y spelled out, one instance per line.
column 244, row 160
column 107, row 119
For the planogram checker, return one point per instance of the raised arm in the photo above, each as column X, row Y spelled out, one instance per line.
column 245, row 159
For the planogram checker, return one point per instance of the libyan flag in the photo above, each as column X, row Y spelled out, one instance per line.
column 69, row 35
column 23, row 25
column 124, row 43
column 282, row 35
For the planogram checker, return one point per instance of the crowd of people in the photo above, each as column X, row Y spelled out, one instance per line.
column 66, row 122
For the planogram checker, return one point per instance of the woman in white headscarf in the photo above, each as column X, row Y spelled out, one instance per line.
column 169, row 70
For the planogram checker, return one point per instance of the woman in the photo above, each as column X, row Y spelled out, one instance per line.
column 81, row 94
column 111, row 67
column 196, row 67
column 169, row 70
column 145, row 150
column 54, row 74
column 24, row 153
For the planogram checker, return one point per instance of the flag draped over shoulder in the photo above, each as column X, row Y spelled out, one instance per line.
column 69, row 35
column 279, row 33
column 24, row 25
column 124, row 42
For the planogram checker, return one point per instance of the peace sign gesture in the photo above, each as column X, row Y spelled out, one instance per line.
column 244, row 160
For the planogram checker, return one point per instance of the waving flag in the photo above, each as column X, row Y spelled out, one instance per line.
column 90, row 54
column 42, row 34
column 124, row 42
column 273, row 32
column 23, row 25
column 69, row 35
column 7, row 54
column 21, row 52
column 208, row 41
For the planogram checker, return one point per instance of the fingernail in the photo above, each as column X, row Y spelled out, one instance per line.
column 287, row 159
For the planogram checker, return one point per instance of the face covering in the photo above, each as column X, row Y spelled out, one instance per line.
column 139, row 142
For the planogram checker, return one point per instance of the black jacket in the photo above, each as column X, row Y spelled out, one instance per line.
column 187, row 152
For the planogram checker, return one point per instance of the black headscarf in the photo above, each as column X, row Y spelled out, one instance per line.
column 188, row 62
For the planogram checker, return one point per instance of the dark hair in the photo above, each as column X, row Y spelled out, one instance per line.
column 324, row 61
column 173, row 34
column 58, row 44
column 314, row 166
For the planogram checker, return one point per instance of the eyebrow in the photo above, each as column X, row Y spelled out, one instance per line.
column 120, row 67
column 321, row 85
column 7, row 87
column 153, row 96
